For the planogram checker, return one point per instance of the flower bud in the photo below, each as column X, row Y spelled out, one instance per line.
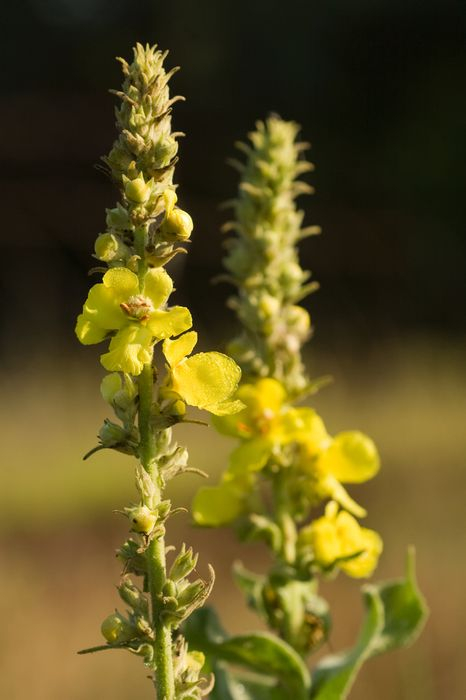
column 184, row 563
column 118, row 218
column 131, row 595
column 137, row 190
column 192, row 593
column 178, row 224
column 268, row 305
column 169, row 588
column 142, row 518
column 170, row 198
column 298, row 320
column 134, row 561
column 109, row 248
column 116, row 629
column 117, row 392
column 111, row 434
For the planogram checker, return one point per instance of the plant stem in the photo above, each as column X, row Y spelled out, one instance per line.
column 155, row 552
column 284, row 520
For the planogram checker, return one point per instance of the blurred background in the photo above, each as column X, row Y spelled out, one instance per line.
column 378, row 90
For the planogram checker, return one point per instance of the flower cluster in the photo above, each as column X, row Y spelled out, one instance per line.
column 130, row 310
column 274, row 435
column 262, row 259
column 285, row 464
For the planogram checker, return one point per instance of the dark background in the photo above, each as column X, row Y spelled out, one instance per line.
column 378, row 86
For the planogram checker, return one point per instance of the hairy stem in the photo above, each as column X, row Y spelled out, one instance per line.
column 155, row 553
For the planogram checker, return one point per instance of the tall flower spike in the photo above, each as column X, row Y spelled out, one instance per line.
column 285, row 463
column 263, row 259
column 129, row 309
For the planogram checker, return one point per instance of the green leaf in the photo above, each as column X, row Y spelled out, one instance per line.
column 233, row 687
column 395, row 615
column 405, row 610
column 275, row 667
column 251, row 585
column 264, row 653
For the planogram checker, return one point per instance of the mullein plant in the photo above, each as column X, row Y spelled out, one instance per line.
column 129, row 311
column 286, row 479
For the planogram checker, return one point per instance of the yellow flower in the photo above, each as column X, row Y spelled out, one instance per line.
column 207, row 380
column 350, row 457
column 119, row 304
column 338, row 540
column 266, row 423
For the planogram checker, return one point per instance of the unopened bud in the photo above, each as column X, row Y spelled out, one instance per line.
column 131, row 595
column 184, row 563
column 143, row 520
column 118, row 218
column 109, row 247
column 116, row 629
column 191, row 593
column 137, row 190
column 111, row 434
column 269, row 305
column 178, row 225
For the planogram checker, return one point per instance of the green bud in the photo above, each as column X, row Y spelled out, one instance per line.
column 192, row 593
column 137, row 190
column 143, row 519
column 116, row 629
column 163, row 510
column 133, row 559
column 178, row 224
column 184, row 563
column 118, row 218
column 114, row 436
column 110, row 248
column 133, row 597
column 169, row 589
column 269, row 305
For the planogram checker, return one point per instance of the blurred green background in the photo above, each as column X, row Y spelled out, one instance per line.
column 378, row 89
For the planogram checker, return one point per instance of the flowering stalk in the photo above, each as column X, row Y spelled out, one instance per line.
column 285, row 463
column 129, row 307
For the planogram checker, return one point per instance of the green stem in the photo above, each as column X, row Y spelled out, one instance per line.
column 155, row 553
column 140, row 241
column 284, row 520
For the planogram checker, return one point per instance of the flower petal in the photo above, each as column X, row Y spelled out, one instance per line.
column 330, row 487
column 164, row 324
column 363, row 565
column 158, row 286
column 250, row 456
column 130, row 349
column 88, row 332
column 351, row 458
column 103, row 307
column 122, row 280
column 177, row 350
column 206, row 379
column 217, row 505
column 110, row 385
column 262, row 399
column 306, row 426
column 226, row 408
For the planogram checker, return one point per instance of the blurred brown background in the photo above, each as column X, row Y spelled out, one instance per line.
column 378, row 89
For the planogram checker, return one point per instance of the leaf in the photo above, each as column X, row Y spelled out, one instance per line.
column 251, row 585
column 233, row 687
column 278, row 670
column 395, row 614
column 264, row 653
column 405, row 610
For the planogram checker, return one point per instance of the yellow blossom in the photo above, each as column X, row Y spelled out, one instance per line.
column 207, row 380
column 119, row 305
column 337, row 539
